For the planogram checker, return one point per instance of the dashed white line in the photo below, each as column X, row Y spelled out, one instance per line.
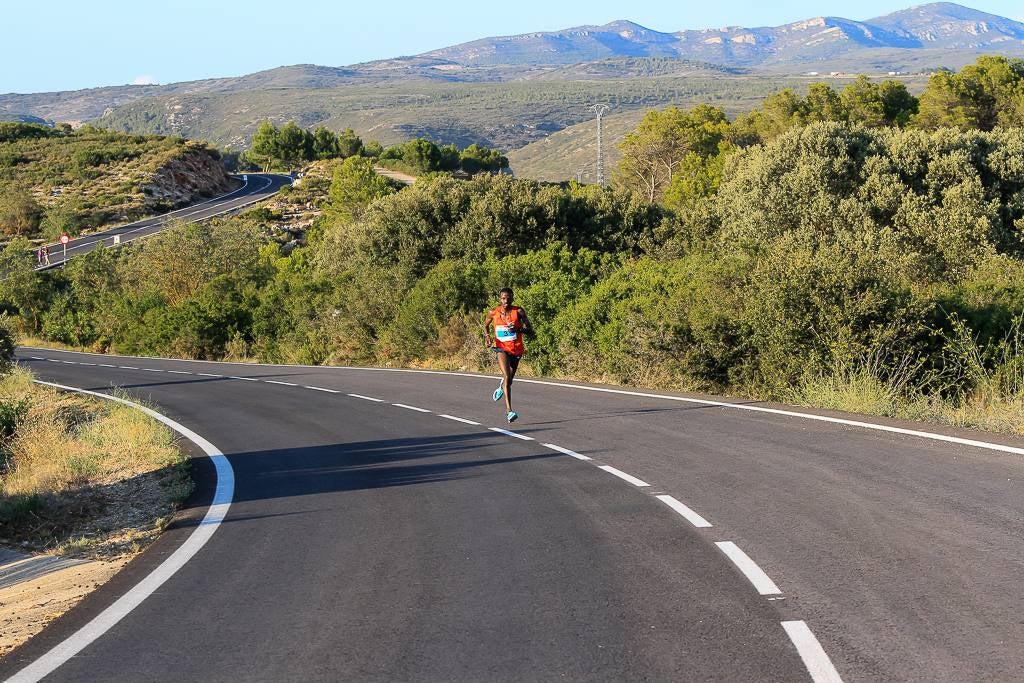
column 367, row 398
column 37, row 358
column 179, row 372
column 418, row 410
column 284, row 384
column 127, row 367
column 244, row 379
column 763, row 584
column 622, row 475
column 578, row 456
column 459, row 419
column 152, row 370
column 84, row 363
column 815, row 659
column 104, row 365
column 514, row 435
column 328, row 391
column 207, row 374
column 691, row 516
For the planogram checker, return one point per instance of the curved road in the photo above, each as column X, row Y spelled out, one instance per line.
column 256, row 187
column 382, row 530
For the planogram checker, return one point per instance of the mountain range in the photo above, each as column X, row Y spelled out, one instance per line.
column 545, row 81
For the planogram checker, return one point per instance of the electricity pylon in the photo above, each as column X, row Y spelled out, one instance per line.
column 600, row 109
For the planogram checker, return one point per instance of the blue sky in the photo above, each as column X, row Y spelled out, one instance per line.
column 67, row 45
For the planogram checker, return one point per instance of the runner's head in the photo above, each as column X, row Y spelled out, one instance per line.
column 505, row 296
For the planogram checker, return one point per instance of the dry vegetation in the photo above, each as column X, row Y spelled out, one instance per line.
column 81, row 477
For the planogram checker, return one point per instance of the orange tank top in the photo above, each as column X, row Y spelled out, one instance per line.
column 507, row 330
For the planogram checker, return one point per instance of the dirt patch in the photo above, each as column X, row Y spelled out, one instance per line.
column 28, row 606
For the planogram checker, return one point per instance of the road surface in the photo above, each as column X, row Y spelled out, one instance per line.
column 381, row 527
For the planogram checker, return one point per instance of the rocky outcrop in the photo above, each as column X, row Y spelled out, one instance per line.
column 195, row 174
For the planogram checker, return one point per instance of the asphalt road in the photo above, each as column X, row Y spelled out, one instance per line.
column 372, row 541
column 256, row 187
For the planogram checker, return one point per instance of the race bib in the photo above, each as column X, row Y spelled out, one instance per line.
column 504, row 333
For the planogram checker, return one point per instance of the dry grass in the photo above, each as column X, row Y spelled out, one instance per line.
column 85, row 477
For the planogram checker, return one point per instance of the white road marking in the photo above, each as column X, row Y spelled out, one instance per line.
column 622, row 475
column 127, row 367
column 244, row 379
column 104, row 365
column 37, row 358
column 84, row 363
column 686, row 512
column 152, row 370
column 514, row 435
column 53, row 360
column 106, row 619
column 179, row 372
column 284, row 384
column 817, row 662
column 418, row 410
column 578, row 456
column 206, row 374
column 763, row 584
column 367, row 398
column 329, row 391
column 459, row 419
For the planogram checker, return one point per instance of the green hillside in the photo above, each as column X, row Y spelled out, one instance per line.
column 57, row 180
column 505, row 116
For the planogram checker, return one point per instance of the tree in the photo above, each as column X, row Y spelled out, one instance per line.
column 822, row 103
column 20, row 213
column 265, row 148
column 349, row 144
column 422, row 154
column 863, row 103
column 325, row 144
column 294, row 145
column 897, row 103
column 653, row 153
column 475, row 158
column 983, row 95
column 355, row 184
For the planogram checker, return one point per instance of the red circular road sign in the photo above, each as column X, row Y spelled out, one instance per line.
column 64, row 239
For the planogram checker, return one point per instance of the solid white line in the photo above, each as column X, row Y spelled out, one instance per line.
column 106, row 619
column 578, row 456
column 512, row 434
column 284, row 384
column 762, row 583
column 459, row 419
column 179, row 372
column 622, row 392
column 244, row 379
column 622, row 475
column 418, row 410
column 329, row 391
column 367, row 398
column 815, row 659
column 686, row 512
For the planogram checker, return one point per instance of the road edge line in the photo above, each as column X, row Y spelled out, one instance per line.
column 121, row 607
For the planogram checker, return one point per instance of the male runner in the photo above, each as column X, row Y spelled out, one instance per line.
column 509, row 324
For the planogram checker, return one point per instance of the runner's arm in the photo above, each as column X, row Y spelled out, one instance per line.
column 524, row 322
column 487, row 328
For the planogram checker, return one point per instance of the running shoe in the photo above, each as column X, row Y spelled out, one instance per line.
column 498, row 393
column 512, row 416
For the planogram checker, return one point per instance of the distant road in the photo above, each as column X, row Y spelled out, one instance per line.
column 257, row 186
column 389, row 525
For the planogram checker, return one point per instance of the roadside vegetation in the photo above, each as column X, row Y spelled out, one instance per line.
column 858, row 251
column 58, row 180
column 79, row 476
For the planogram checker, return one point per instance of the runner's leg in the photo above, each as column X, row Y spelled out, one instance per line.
column 506, row 373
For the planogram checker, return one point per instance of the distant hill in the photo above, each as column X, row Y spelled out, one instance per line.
column 817, row 39
column 510, row 91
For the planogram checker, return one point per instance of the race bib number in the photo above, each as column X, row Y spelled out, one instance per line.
column 504, row 333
